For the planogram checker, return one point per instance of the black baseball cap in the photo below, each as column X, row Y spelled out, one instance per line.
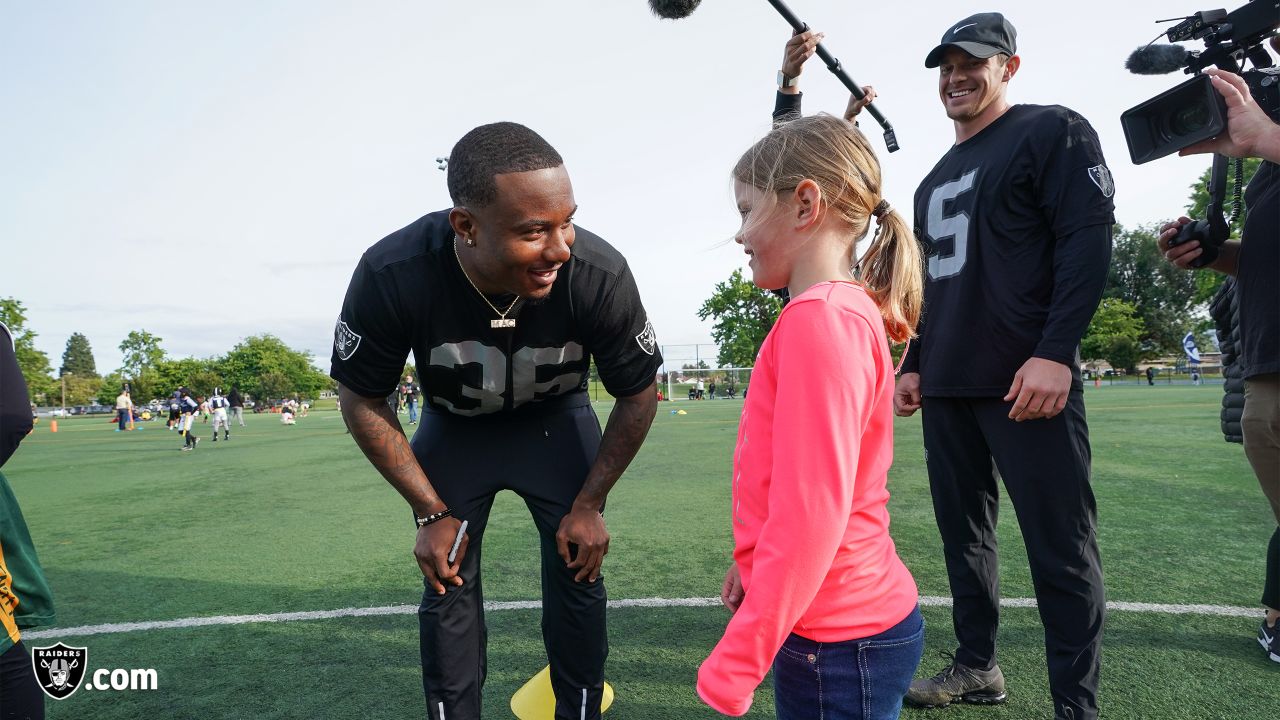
column 981, row 35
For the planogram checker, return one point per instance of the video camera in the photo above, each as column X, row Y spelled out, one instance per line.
column 1193, row 111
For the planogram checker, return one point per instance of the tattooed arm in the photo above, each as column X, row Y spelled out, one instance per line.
column 377, row 431
column 584, row 525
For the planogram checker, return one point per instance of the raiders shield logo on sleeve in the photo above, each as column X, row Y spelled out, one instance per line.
column 1101, row 177
column 647, row 339
column 59, row 669
column 345, row 341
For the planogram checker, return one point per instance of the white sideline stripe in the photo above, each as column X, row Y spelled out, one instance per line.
column 926, row 600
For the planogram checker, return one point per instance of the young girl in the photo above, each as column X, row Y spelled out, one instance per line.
column 816, row 588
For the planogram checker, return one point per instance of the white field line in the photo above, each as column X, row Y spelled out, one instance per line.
column 928, row 601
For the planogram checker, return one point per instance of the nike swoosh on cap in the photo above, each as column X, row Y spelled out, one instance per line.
column 956, row 30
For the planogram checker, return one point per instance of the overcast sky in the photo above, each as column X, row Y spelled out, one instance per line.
column 231, row 161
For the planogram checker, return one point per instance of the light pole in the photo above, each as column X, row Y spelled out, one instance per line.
column 64, row 390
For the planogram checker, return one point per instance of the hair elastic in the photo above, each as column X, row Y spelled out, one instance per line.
column 881, row 208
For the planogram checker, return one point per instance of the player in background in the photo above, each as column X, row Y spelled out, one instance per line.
column 219, row 405
column 188, row 408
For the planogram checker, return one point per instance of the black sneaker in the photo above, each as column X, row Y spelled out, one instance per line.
column 958, row 682
column 1269, row 639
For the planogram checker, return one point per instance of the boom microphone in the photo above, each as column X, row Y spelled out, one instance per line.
column 1157, row 59
column 673, row 9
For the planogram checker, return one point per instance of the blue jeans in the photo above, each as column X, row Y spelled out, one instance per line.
column 861, row 679
column 413, row 411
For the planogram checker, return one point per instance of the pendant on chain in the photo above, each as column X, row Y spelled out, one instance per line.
column 503, row 323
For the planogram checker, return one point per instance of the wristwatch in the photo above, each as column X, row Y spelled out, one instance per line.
column 786, row 81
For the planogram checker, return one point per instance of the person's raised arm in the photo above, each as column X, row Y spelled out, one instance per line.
column 379, row 435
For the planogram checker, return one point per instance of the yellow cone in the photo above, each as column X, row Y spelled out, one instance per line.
column 537, row 701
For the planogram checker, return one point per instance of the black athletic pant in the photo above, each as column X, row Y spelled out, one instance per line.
column 544, row 458
column 20, row 694
column 1045, row 467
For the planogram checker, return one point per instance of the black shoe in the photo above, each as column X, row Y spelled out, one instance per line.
column 958, row 682
column 1269, row 639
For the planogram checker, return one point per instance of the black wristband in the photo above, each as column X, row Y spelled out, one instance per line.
column 433, row 517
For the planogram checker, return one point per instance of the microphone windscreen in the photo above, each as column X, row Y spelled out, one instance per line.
column 673, row 9
column 1157, row 59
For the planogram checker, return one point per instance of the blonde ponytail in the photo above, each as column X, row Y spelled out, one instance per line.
column 892, row 269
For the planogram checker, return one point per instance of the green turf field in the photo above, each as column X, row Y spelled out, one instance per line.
column 287, row 519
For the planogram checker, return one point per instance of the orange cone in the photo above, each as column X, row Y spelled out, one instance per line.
column 53, row 426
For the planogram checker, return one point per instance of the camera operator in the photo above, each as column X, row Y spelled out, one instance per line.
column 1254, row 261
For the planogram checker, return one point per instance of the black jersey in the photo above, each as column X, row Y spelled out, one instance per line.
column 1258, row 273
column 1013, row 274
column 409, row 293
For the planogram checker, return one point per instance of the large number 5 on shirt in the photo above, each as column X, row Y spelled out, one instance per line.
column 940, row 227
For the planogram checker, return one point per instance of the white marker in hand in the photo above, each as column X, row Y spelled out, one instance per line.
column 453, row 552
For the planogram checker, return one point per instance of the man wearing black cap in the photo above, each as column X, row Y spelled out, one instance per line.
column 1018, row 218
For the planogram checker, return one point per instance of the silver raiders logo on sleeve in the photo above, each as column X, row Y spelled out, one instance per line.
column 1101, row 176
column 647, row 339
column 345, row 340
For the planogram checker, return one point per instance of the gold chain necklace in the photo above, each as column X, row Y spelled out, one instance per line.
column 502, row 321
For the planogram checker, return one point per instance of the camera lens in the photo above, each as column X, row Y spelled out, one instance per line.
column 1188, row 120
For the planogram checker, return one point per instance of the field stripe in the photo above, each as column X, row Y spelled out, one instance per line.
column 928, row 601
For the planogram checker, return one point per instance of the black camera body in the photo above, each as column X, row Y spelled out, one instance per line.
column 1193, row 111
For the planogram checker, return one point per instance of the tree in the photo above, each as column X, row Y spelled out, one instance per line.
column 110, row 385
column 265, row 367
column 34, row 363
column 1114, row 335
column 1162, row 296
column 82, row 390
column 140, row 350
column 201, row 376
column 1208, row 282
column 743, row 314
column 77, row 359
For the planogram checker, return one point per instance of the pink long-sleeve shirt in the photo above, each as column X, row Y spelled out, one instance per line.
column 810, row 523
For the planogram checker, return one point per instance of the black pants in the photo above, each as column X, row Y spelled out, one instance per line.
column 20, row 694
column 1045, row 467
column 544, row 459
